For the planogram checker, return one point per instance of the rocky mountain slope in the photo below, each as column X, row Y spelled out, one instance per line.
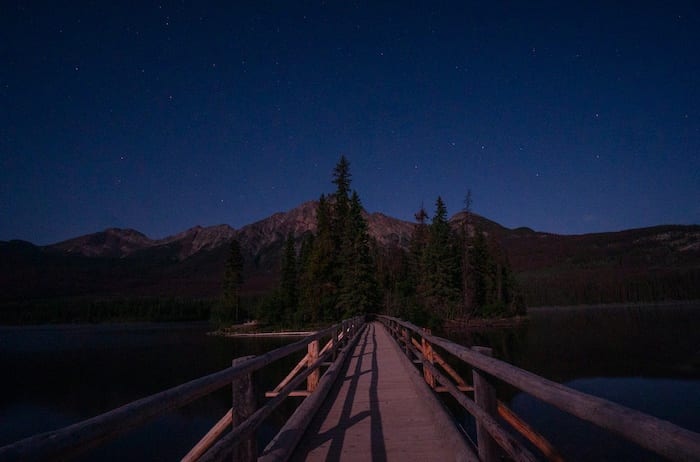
column 663, row 261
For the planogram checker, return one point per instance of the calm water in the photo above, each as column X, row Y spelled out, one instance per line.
column 61, row 375
column 646, row 358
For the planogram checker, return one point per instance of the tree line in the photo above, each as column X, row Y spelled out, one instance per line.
column 340, row 271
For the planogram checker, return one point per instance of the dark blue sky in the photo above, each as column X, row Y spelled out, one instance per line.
column 561, row 117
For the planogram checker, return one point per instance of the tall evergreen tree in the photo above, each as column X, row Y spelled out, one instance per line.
column 441, row 289
column 419, row 238
column 466, row 269
column 341, row 180
column 304, row 309
column 484, row 281
column 290, row 281
column 359, row 290
column 415, row 261
column 228, row 309
column 319, row 288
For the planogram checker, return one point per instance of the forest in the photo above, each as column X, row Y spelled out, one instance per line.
column 339, row 271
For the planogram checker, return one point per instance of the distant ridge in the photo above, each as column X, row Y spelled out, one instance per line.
column 637, row 264
column 120, row 243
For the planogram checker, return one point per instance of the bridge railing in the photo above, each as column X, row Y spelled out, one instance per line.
column 235, row 430
column 656, row 435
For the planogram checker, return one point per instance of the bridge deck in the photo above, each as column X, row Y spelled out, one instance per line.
column 377, row 412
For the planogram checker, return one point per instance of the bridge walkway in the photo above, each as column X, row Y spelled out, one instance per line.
column 380, row 411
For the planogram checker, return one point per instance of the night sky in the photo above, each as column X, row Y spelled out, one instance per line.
column 159, row 117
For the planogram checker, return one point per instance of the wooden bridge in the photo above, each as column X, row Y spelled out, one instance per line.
column 371, row 394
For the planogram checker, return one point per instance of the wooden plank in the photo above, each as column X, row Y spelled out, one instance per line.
column 659, row 436
column 224, row 446
column 208, row 440
column 81, row 436
column 427, row 356
column 295, row 370
column 243, row 405
column 449, row 369
column 464, row 388
column 377, row 412
column 332, row 343
column 272, row 394
column 539, row 441
column 287, row 439
column 315, row 376
column 514, row 449
column 485, row 398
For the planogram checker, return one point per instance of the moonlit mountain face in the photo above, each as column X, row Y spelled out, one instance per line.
column 125, row 262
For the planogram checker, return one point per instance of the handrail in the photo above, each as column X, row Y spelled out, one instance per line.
column 76, row 438
column 654, row 434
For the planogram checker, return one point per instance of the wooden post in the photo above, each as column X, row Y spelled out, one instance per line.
column 407, row 342
column 334, row 346
column 312, row 380
column 428, row 357
column 485, row 398
column 244, row 405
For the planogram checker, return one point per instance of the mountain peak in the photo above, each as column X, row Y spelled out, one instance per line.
column 112, row 242
column 198, row 238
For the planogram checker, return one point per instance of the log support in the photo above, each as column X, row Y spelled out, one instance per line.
column 428, row 357
column 485, row 398
column 244, row 405
column 315, row 376
column 406, row 341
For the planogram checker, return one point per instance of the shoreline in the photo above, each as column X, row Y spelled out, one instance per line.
column 461, row 325
column 262, row 334
column 664, row 303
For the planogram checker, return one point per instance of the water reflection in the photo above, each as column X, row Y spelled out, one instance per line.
column 64, row 374
column 646, row 358
column 565, row 344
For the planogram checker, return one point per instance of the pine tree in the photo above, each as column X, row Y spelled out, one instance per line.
column 466, row 268
column 228, row 309
column 359, row 291
column 441, row 290
column 303, row 312
column 342, row 180
column 481, row 274
column 416, row 284
column 419, row 242
column 319, row 289
column 290, row 282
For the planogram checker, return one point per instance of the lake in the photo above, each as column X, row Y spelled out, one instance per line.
column 64, row 374
column 643, row 357
column 646, row 358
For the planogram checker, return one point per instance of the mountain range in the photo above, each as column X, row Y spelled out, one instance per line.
column 661, row 262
